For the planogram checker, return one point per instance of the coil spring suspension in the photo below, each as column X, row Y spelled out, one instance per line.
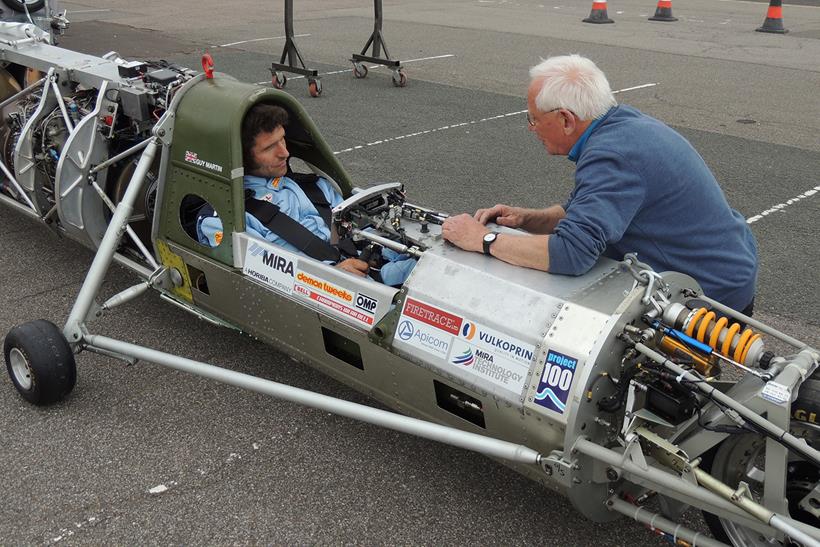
column 703, row 325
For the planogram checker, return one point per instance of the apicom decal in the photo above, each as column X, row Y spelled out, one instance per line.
column 553, row 389
column 427, row 328
column 269, row 267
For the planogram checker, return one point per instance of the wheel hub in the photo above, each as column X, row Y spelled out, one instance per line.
column 20, row 368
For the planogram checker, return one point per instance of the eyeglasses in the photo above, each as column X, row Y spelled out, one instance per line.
column 532, row 121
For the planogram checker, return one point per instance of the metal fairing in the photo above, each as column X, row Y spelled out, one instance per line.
column 78, row 204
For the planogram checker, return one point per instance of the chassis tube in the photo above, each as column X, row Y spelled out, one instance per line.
column 754, row 323
column 447, row 435
column 798, row 445
column 675, row 484
column 108, row 247
column 656, row 521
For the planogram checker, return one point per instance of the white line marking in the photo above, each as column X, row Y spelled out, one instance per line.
column 462, row 124
column 331, row 73
column 759, row 3
column 634, row 88
column 781, row 206
column 87, row 11
column 259, row 40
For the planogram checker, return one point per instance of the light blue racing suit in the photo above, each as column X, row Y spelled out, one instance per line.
column 292, row 201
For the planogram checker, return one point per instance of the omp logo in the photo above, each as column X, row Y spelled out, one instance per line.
column 193, row 158
column 468, row 330
column 366, row 303
column 405, row 330
column 465, row 359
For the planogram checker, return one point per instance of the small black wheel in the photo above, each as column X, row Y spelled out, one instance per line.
column 40, row 362
column 279, row 80
column 314, row 87
column 21, row 5
column 359, row 70
column 399, row 78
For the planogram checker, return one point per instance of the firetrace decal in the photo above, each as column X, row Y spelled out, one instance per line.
column 357, row 306
column 427, row 328
column 553, row 389
column 271, row 268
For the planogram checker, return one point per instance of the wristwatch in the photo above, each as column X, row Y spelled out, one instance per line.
column 489, row 239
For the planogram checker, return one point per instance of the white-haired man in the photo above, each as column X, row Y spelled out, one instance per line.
column 639, row 187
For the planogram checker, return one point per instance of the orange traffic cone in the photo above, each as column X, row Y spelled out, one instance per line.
column 663, row 12
column 774, row 18
column 598, row 14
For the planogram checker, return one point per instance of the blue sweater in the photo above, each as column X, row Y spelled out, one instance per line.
column 641, row 187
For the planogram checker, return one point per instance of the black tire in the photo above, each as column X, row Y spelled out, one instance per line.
column 20, row 5
column 726, row 461
column 40, row 362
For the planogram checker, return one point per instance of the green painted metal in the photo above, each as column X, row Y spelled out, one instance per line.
column 206, row 155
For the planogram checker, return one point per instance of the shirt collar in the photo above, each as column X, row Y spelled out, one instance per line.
column 578, row 147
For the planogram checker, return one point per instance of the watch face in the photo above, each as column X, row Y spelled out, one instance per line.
column 489, row 237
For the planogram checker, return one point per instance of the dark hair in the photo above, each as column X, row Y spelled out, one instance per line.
column 261, row 118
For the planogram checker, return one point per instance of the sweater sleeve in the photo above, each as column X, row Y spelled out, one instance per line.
column 608, row 193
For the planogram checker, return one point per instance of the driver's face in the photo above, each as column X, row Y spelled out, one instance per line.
column 270, row 154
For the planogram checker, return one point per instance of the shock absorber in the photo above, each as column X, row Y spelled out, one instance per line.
column 741, row 345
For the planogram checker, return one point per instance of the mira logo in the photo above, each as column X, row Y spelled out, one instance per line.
column 272, row 260
column 466, row 358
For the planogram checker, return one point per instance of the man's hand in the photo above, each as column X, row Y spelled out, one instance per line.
column 503, row 215
column 465, row 232
column 354, row 266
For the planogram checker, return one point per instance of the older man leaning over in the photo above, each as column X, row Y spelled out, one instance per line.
column 639, row 187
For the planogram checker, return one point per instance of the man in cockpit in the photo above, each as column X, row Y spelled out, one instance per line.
column 292, row 210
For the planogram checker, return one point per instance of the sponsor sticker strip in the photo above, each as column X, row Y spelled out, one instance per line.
column 355, row 305
column 467, row 347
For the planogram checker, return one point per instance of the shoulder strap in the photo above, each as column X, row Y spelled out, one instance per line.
column 291, row 230
column 307, row 182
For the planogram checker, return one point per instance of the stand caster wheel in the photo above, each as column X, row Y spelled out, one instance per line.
column 279, row 80
column 399, row 78
column 359, row 70
column 315, row 87
column 40, row 362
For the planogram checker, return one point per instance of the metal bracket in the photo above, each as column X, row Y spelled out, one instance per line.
column 560, row 470
column 811, row 502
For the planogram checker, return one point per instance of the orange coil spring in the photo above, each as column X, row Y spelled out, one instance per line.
column 703, row 327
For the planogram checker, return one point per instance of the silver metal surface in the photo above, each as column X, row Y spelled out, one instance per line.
column 448, row 435
column 656, row 521
column 20, row 368
column 108, row 246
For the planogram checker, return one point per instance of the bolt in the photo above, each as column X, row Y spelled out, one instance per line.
column 161, row 132
column 611, row 474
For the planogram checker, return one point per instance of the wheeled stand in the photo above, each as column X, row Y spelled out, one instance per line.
column 291, row 54
column 377, row 40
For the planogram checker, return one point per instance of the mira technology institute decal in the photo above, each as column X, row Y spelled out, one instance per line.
column 556, row 381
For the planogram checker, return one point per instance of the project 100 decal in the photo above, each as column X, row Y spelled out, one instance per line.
column 553, row 389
